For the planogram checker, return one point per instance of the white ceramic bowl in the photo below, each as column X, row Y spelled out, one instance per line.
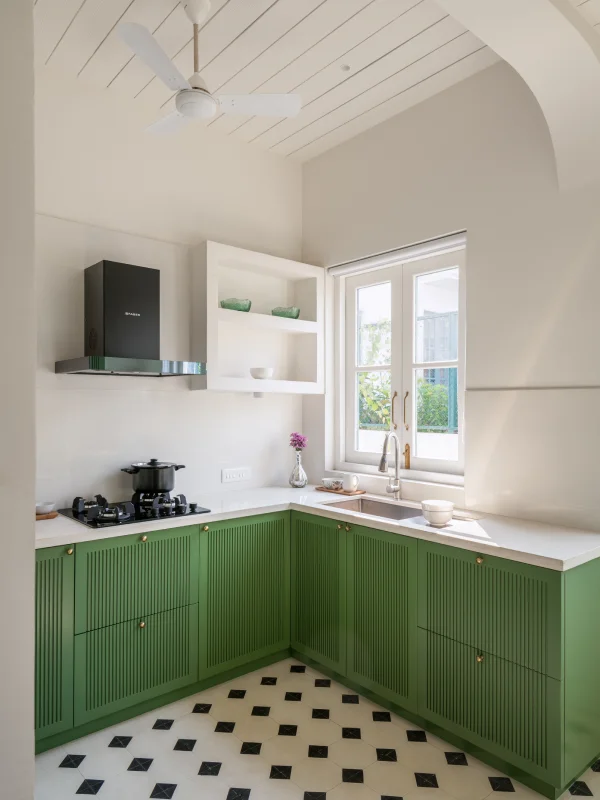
column 438, row 513
column 332, row 483
column 262, row 372
column 44, row 508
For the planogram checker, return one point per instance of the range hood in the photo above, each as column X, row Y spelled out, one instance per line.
column 122, row 325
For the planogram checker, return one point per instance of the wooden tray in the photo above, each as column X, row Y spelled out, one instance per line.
column 341, row 491
column 50, row 515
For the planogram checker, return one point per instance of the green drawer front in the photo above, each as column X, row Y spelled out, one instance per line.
column 54, row 581
column 505, row 608
column 319, row 590
column 244, row 580
column 382, row 614
column 125, row 578
column 125, row 664
column 508, row 710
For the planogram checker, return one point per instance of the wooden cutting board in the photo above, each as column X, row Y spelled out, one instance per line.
column 341, row 491
column 51, row 515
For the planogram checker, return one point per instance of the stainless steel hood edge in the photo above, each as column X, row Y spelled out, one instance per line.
column 141, row 367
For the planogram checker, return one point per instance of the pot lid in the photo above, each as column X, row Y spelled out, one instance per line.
column 154, row 463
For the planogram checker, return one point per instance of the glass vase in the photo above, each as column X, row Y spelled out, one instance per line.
column 298, row 478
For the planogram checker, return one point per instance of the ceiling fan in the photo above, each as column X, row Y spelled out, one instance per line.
column 193, row 99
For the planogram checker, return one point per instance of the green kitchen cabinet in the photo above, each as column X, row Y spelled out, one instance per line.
column 121, row 665
column 502, row 607
column 127, row 577
column 54, row 598
column 318, row 583
column 244, row 591
column 382, row 614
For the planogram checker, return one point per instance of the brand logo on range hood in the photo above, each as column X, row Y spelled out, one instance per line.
column 132, row 314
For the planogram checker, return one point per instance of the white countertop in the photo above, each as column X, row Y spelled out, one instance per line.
column 557, row 548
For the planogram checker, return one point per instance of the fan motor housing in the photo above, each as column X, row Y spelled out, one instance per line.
column 196, row 103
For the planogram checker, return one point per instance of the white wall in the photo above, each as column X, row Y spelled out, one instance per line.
column 17, row 415
column 101, row 170
column 479, row 157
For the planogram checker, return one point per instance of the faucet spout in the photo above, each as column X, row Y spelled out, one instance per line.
column 393, row 486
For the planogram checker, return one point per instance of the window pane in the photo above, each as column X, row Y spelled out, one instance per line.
column 373, row 404
column 437, row 413
column 374, row 324
column 436, row 311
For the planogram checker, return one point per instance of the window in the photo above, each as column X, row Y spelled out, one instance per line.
column 402, row 349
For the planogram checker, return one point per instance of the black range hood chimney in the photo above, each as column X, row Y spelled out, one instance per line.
column 122, row 325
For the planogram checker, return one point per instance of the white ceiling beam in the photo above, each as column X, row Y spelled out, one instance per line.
column 557, row 53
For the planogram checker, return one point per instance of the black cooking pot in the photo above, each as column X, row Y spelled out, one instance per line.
column 153, row 475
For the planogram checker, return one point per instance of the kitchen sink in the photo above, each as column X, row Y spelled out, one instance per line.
column 376, row 508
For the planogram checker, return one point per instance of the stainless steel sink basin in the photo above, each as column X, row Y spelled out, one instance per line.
column 376, row 508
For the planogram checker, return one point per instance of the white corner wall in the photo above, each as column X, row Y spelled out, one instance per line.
column 479, row 157
column 17, row 415
column 105, row 189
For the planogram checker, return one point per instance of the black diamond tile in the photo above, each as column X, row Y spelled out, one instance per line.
column 293, row 697
column 297, row 668
column 71, row 762
column 386, row 754
column 457, row 759
column 238, row 794
column 353, row 776
column 163, row 724
column 581, row 789
column 237, row 694
column 185, row 745
column 350, row 698
column 202, row 708
column 140, row 765
column 382, row 716
column 210, row 768
column 501, row 784
column 120, row 741
column 250, row 748
column 318, row 751
column 90, row 786
column 288, row 730
column 426, row 780
column 225, row 727
column 280, row 773
column 264, row 682
column 596, row 766
column 416, row 736
column 323, row 682
column 315, row 796
column 261, row 711
column 164, row 790
column 350, row 733
column 320, row 713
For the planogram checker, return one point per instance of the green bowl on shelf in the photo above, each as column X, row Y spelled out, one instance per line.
column 233, row 304
column 291, row 312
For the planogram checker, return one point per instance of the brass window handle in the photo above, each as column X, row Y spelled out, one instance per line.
column 394, row 423
column 405, row 399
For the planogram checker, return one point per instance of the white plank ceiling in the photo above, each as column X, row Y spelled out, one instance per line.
column 355, row 63
column 589, row 10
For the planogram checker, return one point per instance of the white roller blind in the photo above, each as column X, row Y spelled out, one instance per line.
column 433, row 247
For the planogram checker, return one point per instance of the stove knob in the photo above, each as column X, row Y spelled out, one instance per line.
column 193, row 507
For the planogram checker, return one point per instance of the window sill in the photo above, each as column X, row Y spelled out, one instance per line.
column 415, row 485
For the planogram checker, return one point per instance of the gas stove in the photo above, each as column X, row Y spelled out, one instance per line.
column 99, row 513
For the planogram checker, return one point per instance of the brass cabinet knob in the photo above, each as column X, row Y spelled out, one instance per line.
column 479, row 560
column 205, row 528
column 142, row 624
column 340, row 527
column 70, row 551
column 479, row 658
column 348, row 528
column 144, row 538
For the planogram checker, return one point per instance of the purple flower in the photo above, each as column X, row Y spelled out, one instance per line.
column 297, row 441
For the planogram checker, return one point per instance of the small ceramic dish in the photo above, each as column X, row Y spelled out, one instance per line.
column 332, row 483
column 44, row 508
column 262, row 373
column 233, row 304
column 292, row 312
column 438, row 513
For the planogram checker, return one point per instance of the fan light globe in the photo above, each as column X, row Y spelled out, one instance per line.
column 196, row 103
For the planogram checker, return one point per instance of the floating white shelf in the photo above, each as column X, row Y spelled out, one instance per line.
column 232, row 342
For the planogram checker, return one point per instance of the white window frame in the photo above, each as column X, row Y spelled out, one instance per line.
column 401, row 268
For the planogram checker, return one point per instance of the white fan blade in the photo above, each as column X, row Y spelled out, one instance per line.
column 261, row 105
column 145, row 46
column 169, row 124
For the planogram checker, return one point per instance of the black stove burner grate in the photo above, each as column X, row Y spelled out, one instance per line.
column 99, row 513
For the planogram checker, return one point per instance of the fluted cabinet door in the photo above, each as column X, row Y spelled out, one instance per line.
column 319, row 589
column 382, row 614
column 122, row 665
column 244, row 591
column 508, row 710
column 54, row 596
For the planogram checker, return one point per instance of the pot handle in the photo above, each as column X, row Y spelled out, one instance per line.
column 130, row 470
column 178, row 466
